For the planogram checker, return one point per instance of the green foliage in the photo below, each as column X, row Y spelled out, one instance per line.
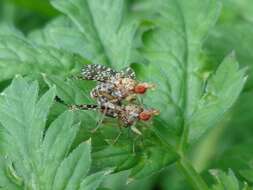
column 174, row 50
column 219, row 44
column 41, row 7
column 143, row 161
column 222, row 90
column 227, row 181
column 174, row 44
column 27, row 15
column 102, row 36
column 18, row 55
column 32, row 160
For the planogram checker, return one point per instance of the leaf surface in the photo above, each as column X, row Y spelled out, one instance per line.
column 31, row 155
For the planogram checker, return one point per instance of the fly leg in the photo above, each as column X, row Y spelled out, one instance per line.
column 120, row 132
column 117, row 138
column 100, row 121
column 135, row 130
column 74, row 107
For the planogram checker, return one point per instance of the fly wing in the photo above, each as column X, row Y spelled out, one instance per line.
column 102, row 73
column 128, row 73
column 97, row 72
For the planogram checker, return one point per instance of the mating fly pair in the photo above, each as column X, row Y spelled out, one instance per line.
column 116, row 93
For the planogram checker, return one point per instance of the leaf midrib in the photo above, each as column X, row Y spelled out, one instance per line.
column 104, row 49
column 185, row 58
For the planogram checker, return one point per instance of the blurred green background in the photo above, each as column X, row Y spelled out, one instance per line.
column 227, row 146
column 26, row 14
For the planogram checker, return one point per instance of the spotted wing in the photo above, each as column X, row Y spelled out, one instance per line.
column 97, row 72
column 128, row 73
column 102, row 73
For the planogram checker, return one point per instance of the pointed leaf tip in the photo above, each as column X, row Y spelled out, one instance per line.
column 88, row 141
column 130, row 180
column 233, row 54
column 18, row 76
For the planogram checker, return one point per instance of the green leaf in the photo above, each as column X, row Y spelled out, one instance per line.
column 111, row 156
column 20, row 56
column 219, row 44
column 238, row 157
column 187, row 97
column 33, row 157
column 141, row 159
column 11, row 30
column 74, row 168
column 23, row 124
column 237, row 11
column 61, row 33
column 20, row 117
column 71, row 91
column 152, row 162
column 173, row 50
column 222, row 90
column 244, row 105
column 42, row 7
column 92, row 182
column 6, row 182
column 226, row 181
column 247, row 174
column 228, row 139
column 106, row 36
column 54, row 148
column 75, row 92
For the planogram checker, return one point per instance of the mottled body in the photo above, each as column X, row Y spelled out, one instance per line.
column 114, row 92
column 112, row 89
column 128, row 114
column 113, row 86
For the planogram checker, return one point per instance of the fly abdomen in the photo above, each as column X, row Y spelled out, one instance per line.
column 84, row 107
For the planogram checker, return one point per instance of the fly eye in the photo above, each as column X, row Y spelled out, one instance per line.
column 140, row 89
column 144, row 116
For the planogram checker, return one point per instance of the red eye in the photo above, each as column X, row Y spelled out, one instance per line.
column 144, row 116
column 140, row 89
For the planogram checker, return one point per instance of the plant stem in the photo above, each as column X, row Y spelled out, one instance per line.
column 191, row 175
column 186, row 167
column 183, row 164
